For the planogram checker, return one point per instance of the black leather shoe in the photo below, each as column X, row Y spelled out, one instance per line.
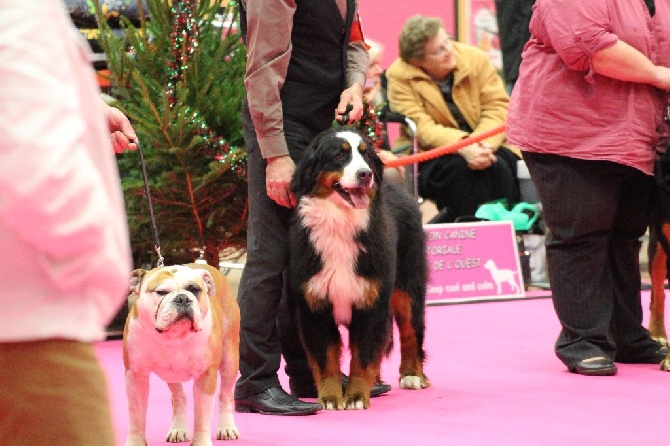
column 597, row 367
column 658, row 356
column 377, row 389
column 275, row 401
column 655, row 358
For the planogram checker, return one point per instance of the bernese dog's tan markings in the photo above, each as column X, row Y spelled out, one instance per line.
column 329, row 378
column 361, row 378
column 411, row 366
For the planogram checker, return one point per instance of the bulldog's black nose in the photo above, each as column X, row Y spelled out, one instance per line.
column 364, row 176
column 181, row 300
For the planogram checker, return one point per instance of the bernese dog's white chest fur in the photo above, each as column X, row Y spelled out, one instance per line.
column 332, row 232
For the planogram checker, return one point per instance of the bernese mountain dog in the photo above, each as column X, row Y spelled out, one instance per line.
column 357, row 260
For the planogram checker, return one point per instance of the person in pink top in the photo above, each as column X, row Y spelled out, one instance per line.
column 66, row 253
column 586, row 112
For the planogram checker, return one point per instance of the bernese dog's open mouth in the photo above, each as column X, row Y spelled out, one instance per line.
column 357, row 197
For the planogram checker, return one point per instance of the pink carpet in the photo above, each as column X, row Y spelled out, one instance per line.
column 495, row 381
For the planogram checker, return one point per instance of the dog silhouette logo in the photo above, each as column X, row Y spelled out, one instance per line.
column 503, row 276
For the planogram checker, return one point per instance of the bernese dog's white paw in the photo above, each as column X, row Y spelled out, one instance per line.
column 413, row 382
column 356, row 404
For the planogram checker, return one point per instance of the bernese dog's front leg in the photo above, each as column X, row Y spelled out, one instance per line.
column 323, row 346
column 328, row 378
column 361, row 378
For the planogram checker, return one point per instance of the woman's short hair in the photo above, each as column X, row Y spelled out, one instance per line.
column 414, row 35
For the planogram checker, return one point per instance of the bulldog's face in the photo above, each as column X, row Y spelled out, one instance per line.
column 175, row 299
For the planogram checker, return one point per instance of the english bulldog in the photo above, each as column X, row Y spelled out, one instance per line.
column 183, row 325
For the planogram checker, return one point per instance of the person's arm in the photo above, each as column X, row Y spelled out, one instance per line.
column 623, row 62
column 268, row 55
column 581, row 34
column 493, row 99
column 358, row 61
column 404, row 82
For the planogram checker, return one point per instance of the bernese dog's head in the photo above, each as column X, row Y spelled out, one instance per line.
column 341, row 165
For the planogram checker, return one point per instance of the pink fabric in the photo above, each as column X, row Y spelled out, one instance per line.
column 559, row 105
column 63, row 236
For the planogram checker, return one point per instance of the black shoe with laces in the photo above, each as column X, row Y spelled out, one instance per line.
column 275, row 401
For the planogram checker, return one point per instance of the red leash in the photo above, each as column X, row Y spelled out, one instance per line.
column 443, row 150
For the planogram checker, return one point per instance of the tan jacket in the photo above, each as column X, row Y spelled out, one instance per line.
column 478, row 92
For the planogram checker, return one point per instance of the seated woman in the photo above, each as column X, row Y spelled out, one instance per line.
column 452, row 90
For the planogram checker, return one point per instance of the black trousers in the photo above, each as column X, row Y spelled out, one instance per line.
column 268, row 328
column 596, row 212
column 449, row 182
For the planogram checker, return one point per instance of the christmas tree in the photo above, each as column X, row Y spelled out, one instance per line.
column 178, row 74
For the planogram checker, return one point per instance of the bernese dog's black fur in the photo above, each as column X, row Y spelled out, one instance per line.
column 357, row 260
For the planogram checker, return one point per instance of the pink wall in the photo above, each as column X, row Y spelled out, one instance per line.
column 383, row 20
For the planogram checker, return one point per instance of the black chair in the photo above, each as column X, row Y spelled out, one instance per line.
column 408, row 127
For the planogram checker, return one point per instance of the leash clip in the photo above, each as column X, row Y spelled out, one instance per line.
column 345, row 116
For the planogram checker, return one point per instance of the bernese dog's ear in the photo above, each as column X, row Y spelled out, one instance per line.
column 306, row 170
column 377, row 165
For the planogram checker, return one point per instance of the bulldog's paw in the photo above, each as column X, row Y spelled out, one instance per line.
column 414, row 382
column 228, row 433
column 177, row 435
column 202, row 440
column 136, row 440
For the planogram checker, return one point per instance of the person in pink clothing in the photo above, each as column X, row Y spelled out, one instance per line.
column 586, row 112
column 63, row 230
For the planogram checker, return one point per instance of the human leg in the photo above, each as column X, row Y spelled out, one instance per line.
column 53, row 392
column 580, row 199
column 261, row 282
column 259, row 296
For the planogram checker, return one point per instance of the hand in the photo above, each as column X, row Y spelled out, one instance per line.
column 351, row 96
column 386, row 156
column 478, row 156
column 278, row 180
column 122, row 132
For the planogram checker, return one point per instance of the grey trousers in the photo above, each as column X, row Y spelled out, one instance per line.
column 596, row 212
column 268, row 330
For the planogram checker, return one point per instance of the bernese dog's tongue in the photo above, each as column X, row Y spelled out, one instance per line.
column 359, row 197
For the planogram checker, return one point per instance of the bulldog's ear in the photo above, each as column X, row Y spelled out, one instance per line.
column 209, row 282
column 136, row 280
